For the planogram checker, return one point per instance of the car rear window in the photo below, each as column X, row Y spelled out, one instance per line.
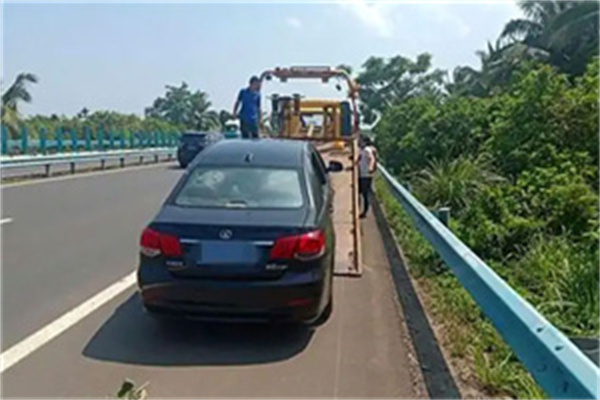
column 235, row 187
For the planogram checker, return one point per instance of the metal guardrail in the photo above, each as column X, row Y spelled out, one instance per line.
column 555, row 362
column 73, row 159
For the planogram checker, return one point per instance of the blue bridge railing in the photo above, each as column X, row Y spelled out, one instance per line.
column 59, row 141
column 556, row 364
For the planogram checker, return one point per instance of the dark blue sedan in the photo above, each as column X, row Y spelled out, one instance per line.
column 246, row 235
column 192, row 143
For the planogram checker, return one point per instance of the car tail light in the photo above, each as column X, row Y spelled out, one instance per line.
column 305, row 247
column 153, row 243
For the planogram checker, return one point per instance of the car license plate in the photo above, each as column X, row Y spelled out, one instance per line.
column 215, row 252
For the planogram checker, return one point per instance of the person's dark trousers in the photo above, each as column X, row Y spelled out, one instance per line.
column 249, row 129
column 364, row 188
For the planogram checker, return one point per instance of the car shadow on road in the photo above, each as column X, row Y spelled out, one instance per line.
column 131, row 336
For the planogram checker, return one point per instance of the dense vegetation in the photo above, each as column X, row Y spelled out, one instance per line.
column 512, row 148
column 177, row 110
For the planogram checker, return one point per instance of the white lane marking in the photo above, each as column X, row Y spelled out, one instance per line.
column 27, row 346
column 35, row 181
column 5, row 221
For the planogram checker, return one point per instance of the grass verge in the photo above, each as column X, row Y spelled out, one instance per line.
column 477, row 353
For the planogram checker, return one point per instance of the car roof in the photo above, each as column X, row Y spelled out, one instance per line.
column 263, row 152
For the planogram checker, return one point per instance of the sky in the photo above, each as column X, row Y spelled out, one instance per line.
column 120, row 55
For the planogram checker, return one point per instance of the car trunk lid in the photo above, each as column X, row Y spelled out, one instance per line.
column 232, row 243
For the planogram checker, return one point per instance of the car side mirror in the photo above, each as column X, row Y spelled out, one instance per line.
column 335, row 166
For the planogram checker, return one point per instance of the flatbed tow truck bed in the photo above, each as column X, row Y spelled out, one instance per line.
column 345, row 211
column 345, row 203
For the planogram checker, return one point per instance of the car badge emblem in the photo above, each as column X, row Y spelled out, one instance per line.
column 226, row 234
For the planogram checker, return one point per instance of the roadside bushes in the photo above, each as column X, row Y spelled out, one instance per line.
column 520, row 173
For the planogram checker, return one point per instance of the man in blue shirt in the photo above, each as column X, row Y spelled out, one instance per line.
column 249, row 114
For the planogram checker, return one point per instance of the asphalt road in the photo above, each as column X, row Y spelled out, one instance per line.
column 71, row 238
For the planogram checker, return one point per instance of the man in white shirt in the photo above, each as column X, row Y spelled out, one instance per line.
column 367, row 165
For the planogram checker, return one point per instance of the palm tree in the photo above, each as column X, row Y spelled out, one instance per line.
column 566, row 30
column 16, row 93
column 498, row 63
column 183, row 107
column 202, row 117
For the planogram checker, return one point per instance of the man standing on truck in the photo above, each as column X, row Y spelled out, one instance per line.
column 250, row 113
column 367, row 165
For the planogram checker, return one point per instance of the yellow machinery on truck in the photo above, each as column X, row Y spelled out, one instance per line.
column 335, row 135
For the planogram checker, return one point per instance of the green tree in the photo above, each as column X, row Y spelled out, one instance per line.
column 567, row 31
column 498, row 64
column 182, row 107
column 384, row 83
column 16, row 93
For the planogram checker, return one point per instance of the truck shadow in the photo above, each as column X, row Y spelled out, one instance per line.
column 131, row 336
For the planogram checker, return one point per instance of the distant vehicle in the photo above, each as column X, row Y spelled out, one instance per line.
column 232, row 129
column 245, row 235
column 192, row 143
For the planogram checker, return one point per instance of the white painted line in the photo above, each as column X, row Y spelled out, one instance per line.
column 36, row 181
column 27, row 346
column 5, row 221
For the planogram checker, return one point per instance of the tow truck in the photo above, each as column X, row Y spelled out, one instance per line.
column 336, row 138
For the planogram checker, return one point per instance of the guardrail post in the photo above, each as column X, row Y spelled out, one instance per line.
column 141, row 160
column 102, row 163
column 4, row 140
column 24, row 140
column 122, row 162
column 443, row 214
column 156, row 158
column 47, row 168
column 72, row 167
column 58, row 137
column 73, row 140
column 42, row 135
column 88, row 138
